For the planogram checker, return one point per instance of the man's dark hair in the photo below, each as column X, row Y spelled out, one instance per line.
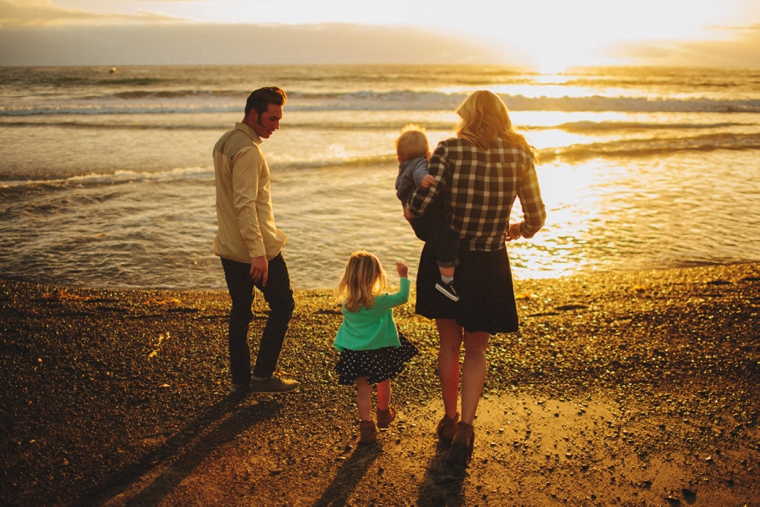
column 261, row 98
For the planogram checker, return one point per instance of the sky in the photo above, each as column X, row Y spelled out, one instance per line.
column 544, row 34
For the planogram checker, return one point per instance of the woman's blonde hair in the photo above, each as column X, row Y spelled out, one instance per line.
column 362, row 279
column 485, row 118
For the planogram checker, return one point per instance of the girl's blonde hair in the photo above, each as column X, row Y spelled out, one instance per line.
column 362, row 279
column 485, row 119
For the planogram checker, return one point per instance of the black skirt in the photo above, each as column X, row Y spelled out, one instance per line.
column 486, row 293
column 377, row 365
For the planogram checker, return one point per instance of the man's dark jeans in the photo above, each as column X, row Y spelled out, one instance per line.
column 279, row 295
column 432, row 228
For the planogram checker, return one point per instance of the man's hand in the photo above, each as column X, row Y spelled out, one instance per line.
column 259, row 270
column 408, row 214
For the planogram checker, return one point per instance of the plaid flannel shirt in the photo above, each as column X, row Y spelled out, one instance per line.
column 479, row 188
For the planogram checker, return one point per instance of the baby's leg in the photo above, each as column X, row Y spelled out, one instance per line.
column 447, row 271
column 442, row 239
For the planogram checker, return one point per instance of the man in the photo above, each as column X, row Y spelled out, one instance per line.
column 250, row 244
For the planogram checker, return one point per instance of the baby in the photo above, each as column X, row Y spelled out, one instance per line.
column 413, row 150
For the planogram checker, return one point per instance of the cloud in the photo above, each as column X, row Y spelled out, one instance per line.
column 41, row 33
column 740, row 48
column 175, row 44
column 30, row 13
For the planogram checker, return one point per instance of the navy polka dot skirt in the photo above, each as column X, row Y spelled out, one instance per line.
column 377, row 365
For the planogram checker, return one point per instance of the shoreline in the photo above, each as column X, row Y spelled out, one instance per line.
column 620, row 388
column 412, row 276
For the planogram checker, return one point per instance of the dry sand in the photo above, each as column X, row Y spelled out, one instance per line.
column 620, row 389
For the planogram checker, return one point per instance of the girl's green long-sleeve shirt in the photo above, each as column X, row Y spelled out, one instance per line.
column 369, row 329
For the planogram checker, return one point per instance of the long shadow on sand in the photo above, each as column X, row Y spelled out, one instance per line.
column 185, row 451
column 349, row 475
column 442, row 484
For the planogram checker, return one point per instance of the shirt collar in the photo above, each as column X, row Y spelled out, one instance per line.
column 249, row 132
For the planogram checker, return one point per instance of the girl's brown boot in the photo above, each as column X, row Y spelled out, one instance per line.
column 385, row 417
column 367, row 432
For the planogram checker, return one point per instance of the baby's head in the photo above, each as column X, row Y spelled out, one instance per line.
column 412, row 143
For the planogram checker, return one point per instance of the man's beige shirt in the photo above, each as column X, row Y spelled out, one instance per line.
column 243, row 201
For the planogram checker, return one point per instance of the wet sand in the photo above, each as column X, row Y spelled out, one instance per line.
column 634, row 388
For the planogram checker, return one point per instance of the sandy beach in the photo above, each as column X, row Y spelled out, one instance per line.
column 636, row 388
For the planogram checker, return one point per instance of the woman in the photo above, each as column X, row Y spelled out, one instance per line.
column 478, row 174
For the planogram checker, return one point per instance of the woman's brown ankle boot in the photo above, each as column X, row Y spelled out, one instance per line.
column 446, row 428
column 462, row 444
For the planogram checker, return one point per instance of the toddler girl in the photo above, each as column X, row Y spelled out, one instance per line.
column 372, row 351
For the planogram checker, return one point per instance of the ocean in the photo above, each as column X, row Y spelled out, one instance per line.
column 107, row 180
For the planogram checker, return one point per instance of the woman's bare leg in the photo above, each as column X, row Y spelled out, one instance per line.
column 473, row 373
column 450, row 335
